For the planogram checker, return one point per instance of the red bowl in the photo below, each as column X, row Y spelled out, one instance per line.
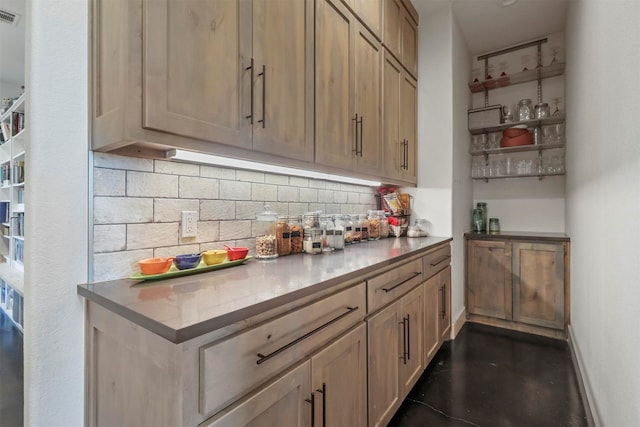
column 237, row 253
column 513, row 132
column 525, row 139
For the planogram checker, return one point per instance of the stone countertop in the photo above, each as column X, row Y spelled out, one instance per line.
column 183, row 308
column 517, row 235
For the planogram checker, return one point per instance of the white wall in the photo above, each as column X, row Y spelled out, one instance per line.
column 9, row 90
column 603, row 202
column 56, row 212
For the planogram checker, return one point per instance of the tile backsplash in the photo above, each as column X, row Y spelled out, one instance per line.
column 137, row 206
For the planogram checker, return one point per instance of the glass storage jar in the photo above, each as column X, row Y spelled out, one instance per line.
column 295, row 232
column 312, row 241
column 374, row 225
column 338, row 232
column 525, row 110
column 283, row 236
column 364, row 227
column 483, row 208
column 384, row 225
column 266, row 246
column 328, row 235
column 356, row 236
column 344, row 221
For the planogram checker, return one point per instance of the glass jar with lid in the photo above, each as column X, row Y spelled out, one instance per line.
column 312, row 241
column 266, row 246
column 356, row 236
column 364, row 227
column 374, row 225
column 311, row 220
column 384, row 225
column 338, row 232
column 283, row 236
column 295, row 232
column 344, row 222
column 525, row 110
column 328, row 235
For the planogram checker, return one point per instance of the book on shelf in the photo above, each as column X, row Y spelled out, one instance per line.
column 17, row 120
column 6, row 131
column 18, row 172
column 19, row 251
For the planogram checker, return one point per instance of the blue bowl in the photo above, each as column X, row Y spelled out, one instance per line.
column 184, row 262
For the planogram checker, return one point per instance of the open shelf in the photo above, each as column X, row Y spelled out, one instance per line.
column 521, row 148
column 553, row 120
column 517, row 78
column 532, row 175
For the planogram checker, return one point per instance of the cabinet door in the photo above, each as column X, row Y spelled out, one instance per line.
column 538, row 284
column 408, row 126
column 394, row 148
column 383, row 337
column 370, row 12
column 409, row 32
column 393, row 11
column 335, row 124
column 339, row 381
column 195, row 81
column 283, row 77
column 368, row 84
column 412, row 322
column 432, row 298
column 489, row 279
column 444, row 304
column 281, row 403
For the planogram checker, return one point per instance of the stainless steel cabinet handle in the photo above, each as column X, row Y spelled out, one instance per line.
column 417, row 273
column 250, row 116
column 263, row 74
column 263, row 358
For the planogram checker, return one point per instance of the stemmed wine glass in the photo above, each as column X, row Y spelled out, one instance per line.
column 554, row 51
column 557, row 111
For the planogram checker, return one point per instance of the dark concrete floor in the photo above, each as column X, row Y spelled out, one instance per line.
column 495, row 377
column 11, row 374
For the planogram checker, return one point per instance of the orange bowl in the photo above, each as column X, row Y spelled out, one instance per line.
column 525, row 139
column 155, row 265
column 513, row 132
column 237, row 253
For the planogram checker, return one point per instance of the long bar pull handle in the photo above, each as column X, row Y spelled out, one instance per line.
column 312, row 401
column 263, row 74
column 251, row 67
column 402, row 146
column 404, row 154
column 404, row 340
column 444, row 258
column 408, row 338
column 406, row 150
column 263, row 358
column 443, row 312
column 402, row 282
column 361, row 133
column 355, row 126
column 323, row 392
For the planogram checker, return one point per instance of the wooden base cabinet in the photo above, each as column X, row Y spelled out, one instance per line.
column 444, row 305
column 520, row 284
column 437, row 312
column 392, row 373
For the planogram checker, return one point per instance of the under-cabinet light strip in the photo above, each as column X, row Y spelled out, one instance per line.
column 210, row 159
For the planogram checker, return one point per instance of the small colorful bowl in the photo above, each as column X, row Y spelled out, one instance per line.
column 155, row 265
column 214, row 256
column 237, row 253
column 186, row 261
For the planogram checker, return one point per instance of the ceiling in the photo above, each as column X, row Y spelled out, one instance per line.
column 487, row 27
column 484, row 25
column 12, row 38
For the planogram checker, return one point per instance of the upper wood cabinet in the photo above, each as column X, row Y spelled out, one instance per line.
column 400, row 34
column 399, row 122
column 369, row 12
column 348, row 91
column 230, row 73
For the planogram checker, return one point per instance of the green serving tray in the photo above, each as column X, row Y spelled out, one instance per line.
column 201, row 268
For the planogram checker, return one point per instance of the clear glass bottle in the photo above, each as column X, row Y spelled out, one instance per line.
column 328, row 235
column 266, row 246
column 283, row 236
column 296, row 233
column 364, row 227
column 483, row 208
column 374, row 225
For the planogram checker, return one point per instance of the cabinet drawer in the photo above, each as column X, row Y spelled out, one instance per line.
column 232, row 367
column 436, row 260
column 387, row 286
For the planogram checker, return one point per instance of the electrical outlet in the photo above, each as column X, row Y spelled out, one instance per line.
column 189, row 223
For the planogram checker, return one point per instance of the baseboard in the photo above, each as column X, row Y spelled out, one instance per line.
column 588, row 400
column 459, row 323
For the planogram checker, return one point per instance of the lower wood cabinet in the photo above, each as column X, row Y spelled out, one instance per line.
column 437, row 312
column 518, row 283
